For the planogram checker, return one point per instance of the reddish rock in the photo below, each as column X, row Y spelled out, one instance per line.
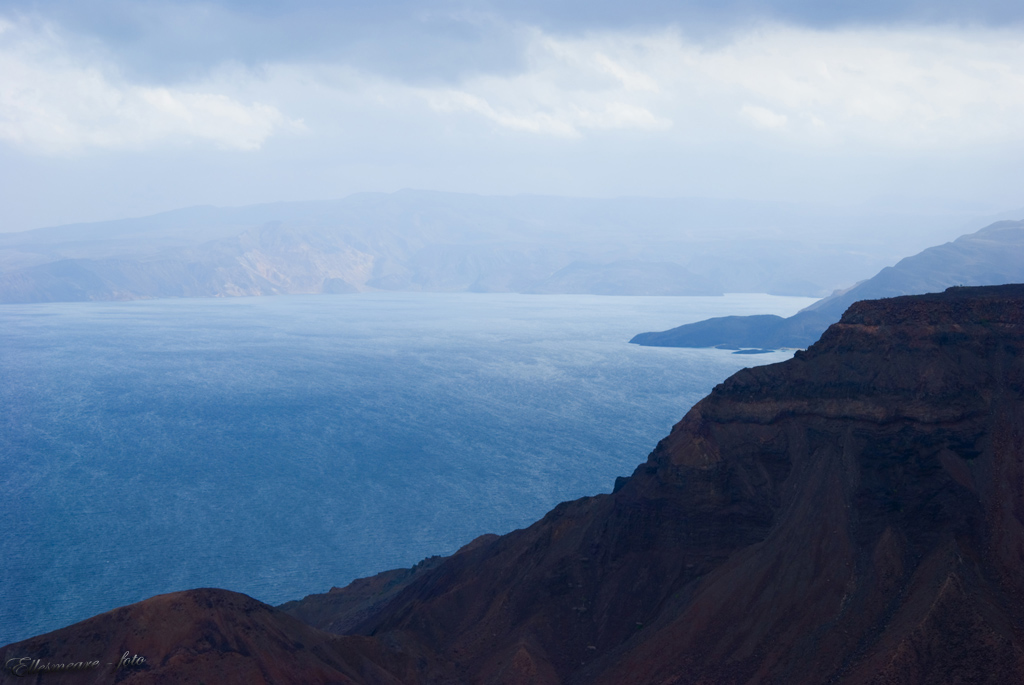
column 342, row 609
column 207, row 636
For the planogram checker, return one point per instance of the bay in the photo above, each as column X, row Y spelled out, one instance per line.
column 280, row 446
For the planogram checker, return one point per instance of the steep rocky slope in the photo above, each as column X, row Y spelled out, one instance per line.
column 991, row 256
column 853, row 515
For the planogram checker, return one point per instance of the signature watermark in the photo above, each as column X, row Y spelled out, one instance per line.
column 25, row 666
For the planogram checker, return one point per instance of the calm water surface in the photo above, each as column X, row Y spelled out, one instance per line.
column 279, row 446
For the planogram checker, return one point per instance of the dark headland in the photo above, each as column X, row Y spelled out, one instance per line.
column 852, row 515
column 991, row 256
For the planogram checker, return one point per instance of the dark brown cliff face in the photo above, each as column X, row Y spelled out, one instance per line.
column 890, row 456
column 853, row 515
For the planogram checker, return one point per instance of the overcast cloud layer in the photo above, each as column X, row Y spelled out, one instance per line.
column 126, row 111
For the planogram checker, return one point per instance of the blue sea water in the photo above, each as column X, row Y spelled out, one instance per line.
column 279, row 446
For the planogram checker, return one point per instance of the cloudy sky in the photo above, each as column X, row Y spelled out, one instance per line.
column 113, row 108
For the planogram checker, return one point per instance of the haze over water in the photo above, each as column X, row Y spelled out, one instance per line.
column 279, row 446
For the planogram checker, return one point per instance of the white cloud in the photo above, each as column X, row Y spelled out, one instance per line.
column 677, row 111
column 567, row 89
column 923, row 88
column 534, row 122
column 920, row 87
column 771, row 112
column 55, row 103
column 911, row 88
column 762, row 117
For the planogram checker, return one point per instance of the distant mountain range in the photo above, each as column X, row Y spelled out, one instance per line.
column 992, row 256
column 417, row 240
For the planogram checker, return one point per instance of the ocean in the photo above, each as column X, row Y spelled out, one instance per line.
column 280, row 446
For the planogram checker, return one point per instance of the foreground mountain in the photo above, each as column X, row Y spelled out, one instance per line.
column 853, row 515
column 992, row 256
column 448, row 242
column 201, row 636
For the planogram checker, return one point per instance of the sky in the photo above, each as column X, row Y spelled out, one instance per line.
column 111, row 109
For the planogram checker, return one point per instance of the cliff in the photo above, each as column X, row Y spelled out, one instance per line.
column 853, row 515
column 991, row 256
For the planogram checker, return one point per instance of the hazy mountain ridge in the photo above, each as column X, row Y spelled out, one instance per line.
column 992, row 256
column 446, row 242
